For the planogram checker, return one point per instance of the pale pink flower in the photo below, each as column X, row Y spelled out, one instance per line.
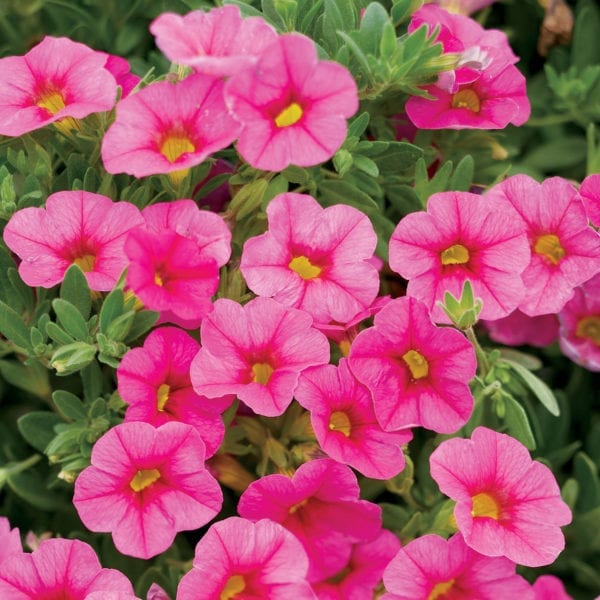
column 342, row 417
column 120, row 69
column 55, row 80
column 75, row 227
column 590, row 195
column 461, row 237
column 313, row 258
column 218, row 42
column 431, row 567
column 10, row 540
column 518, row 328
column 237, row 558
column 61, row 568
column 320, row 505
column 256, row 351
column 292, row 106
column 145, row 485
column 565, row 250
column 417, row 372
column 549, row 587
column 506, row 504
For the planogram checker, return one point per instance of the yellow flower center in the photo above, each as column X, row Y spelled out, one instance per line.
column 235, row 585
column 162, row 396
column 262, row 373
column 143, row 479
column 52, row 101
column 466, row 99
column 339, row 421
column 174, row 145
column 304, row 268
column 485, row 505
column 548, row 245
column 455, row 255
column 440, row 589
column 416, row 363
column 85, row 262
column 289, row 115
column 296, row 507
column 158, row 280
column 589, row 327
column 345, row 347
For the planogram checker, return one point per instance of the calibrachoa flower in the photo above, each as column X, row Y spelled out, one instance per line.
column 565, row 250
column 168, row 128
column 506, row 503
column 61, row 568
column 145, row 485
column 580, row 325
column 590, row 195
column 462, row 236
column 518, row 328
column 57, row 79
column 464, row 7
column 155, row 381
column 256, row 351
column 548, row 587
column 292, row 106
column 237, row 558
column 218, row 42
column 313, row 258
column 431, row 567
column 417, row 372
column 120, row 69
column 342, row 417
column 320, row 505
column 75, row 227
column 10, row 540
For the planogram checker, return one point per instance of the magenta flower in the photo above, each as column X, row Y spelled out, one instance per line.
column 549, row 587
column 342, row 417
column 55, row 80
column 240, row 559
column 292, row 106
column 61, row 568
column 313, row 258
column 565, row 250
column 320, row 506
column 218, row 42
column 430, row 567
column 462, row 236
column 256, row 351
column 145, row 485
column 75, row 227
column 418, row 373
column 518, row 328
column 168, row 128
column 590, row 195
column 506, row 503
column 463, row 7
column 10, row 540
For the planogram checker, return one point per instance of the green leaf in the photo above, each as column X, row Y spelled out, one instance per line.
column 29, row 487
column 37, row 428
column 75, row 289
column 586, row 474
column 388, row 42
column 58, row 334
column 142, row 323
column 12, row 326
column 120, row 327
column 31, row 378
column 516, row 420
column 342, row 192
column 586, row 41
column 112, row 308
column 372, row 27
column 463, row 175
column 358, row 125
column 69, row 405
column 92, row 379
column 557, row 154
column 70, row 319
column 72, row 357
column 366, row 165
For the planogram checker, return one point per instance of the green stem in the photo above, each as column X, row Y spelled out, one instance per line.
column 23, row 465
column 482, row 359
column 591, row 148
column 550, row 120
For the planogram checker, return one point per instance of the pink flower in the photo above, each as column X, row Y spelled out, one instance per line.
column 464, row 7
column 61, row 568
column 518, row 328
column 218, row 42
column 145, row 485
column 320, row 506
column 506, row 503
column 75, row 227
column 292, row 106
column 155, row 381
column 590, row 195
column 548, row 587
column 418, row 373
column 256, row 351
column 313, row 258
column 430, row 567
column 240, row 559
column 168, row 128
column 580, row 325
column 10, row 540
column 121, row 71
column 342, row 417
column 565, row 251
column 462, row 236
column 55, row 80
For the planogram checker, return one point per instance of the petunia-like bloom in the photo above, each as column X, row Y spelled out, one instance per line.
column 57, row 79
column 314, row 258
column 237, row 558
column 463, row 7
column 565, row 250
column 168, row 128
column 518, row 328
column 120, row 69
column 61, row 568
column 461, row 237
column 549, row 587
column 361, row 577
column 506, row 504
column 417, row 372
column 292, row 106
column 431, row 567
column 590, row 195
column 342, row 417
column 155, row 381
column 579, row 334
column 218, row 42
column 320, row 505
column 145, row 485
column 256, row 351
column 75, row 227
column 10, row 540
